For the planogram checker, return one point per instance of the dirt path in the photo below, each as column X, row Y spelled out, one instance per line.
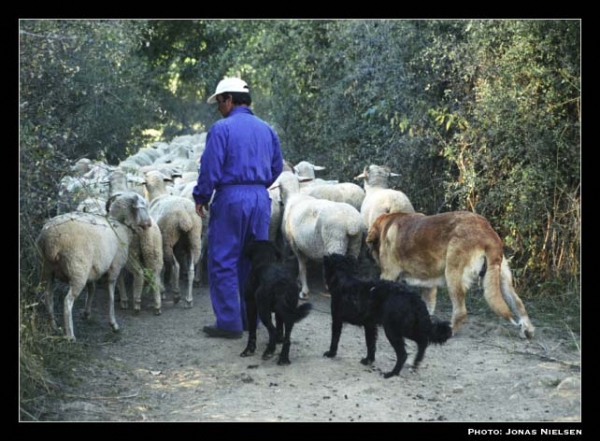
column 165, row 369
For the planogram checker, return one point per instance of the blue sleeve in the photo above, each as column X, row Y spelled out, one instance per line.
column 211, row 164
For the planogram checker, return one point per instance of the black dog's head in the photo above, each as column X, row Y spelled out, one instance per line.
column 337, row 265
column 261, row 252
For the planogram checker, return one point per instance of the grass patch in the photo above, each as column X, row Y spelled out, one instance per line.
column 48, row 362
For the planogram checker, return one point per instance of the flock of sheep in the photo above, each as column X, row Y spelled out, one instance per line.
column 139, row 218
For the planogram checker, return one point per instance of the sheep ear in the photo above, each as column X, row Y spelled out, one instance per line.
column 110, row 200
column 361, row 176
column 394, row 174
column 319, row 167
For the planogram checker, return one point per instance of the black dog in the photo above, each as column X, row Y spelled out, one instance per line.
column 271, row 288
column 396, row 306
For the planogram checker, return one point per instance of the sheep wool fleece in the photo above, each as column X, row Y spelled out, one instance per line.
column 242, row 158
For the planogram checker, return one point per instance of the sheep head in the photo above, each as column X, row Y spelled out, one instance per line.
column 376, row 175
column 130, row 209
column 307, row 170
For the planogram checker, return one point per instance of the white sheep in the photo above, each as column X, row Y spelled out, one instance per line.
column 276, row 215
column 341, row 192
column 81, row 166
column 146, row 249
column 180, row 226
column 99, row 172
column 80, row 248
column 129, row 166
column 317, row 227
column 141, row 158
column 380, row 199
column 93, row 205
column 152, row 152
column 89, row 181
column 145, row 253
column 306, row 171
column 118, row 181
column 122, row 180
column 331, row 190
column 185, row 190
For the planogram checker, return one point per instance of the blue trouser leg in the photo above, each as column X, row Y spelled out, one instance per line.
column 237, row 214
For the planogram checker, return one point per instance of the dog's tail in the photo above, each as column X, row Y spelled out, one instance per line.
column 302, row 311
column 500, row 295
column 440, row 332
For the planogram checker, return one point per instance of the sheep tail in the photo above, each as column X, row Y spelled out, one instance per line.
column 355, row 228
column 185, row 222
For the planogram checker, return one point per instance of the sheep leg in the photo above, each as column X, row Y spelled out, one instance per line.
column 302, row 277
column 91, row 290
column 122, row 291
column 49, row 300
column 138, row 286
column 201, row 264
column 75, row 288
column 197, row 274
column 163, row 288
column 156, row 287
column 112, row 281
column 175, row 280
column 189, row 300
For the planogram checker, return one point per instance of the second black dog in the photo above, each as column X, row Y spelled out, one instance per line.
column 271, row 288
column 396, row 306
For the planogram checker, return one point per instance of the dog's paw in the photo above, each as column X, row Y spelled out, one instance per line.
column 389, row 374
column 329, row 354
column 367, row 361
column 268, row 354
column 248, row 352
column 283, row 361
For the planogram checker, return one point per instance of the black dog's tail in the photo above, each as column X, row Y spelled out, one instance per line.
column 302, row 311
column 441, row 331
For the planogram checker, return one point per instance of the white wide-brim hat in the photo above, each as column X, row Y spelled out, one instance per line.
column 229, row 85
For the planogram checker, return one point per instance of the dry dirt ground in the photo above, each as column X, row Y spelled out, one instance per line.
column 164, row 369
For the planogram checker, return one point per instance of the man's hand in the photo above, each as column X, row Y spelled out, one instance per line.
column 200, row 210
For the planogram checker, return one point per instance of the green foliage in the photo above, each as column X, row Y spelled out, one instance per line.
column 82, row 90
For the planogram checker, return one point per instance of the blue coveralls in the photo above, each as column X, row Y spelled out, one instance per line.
column 242, row 158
